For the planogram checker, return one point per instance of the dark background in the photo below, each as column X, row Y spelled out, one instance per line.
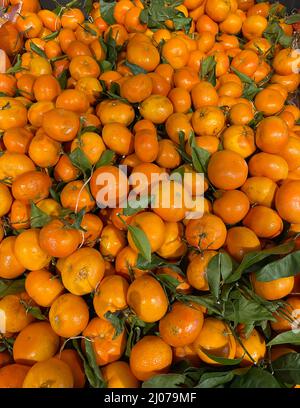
column 49, row 4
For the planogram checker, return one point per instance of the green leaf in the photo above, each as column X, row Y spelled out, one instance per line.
column 292, row 19
column 255, row 121
column 208, row 69
column 135, row 69
column 275, row 35
column 224, row 361
column 9, row 287
column 181, row 22
column 86, row 129
column 157, row 12
column 250, row 87
column 215, row 379
column 79, row 160
column 168, row 281
column 35, row 311
column 93, row 364
column 140, row 241
column 243, row 310
column 165, row 381
column 76, row 219
column 255, row 377
column 255, row 257
column 107, row 10
column 134, row 206
column 91, row 369
column 63, row 79
column 206, row 300
column 106, row 158
column 37, row 50
column 38, row 218
column 111, row 49
column 220, row 266
column 17, row 67
column 105, row 65
column 51, row 36
column 287, row 368
column 181, row 150
column 88, row 6
column 288, row 337
column 200, row 157
column 117, row 320
column 282, row 268
column 156, row 262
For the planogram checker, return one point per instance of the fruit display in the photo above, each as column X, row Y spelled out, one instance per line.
column 149, row 194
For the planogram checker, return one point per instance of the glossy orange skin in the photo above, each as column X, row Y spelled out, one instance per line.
column 75, row 196
column 147, row 298
column 73, row 100
column 215, row 338
column 17, row 140
column 37, row 111
column 115, row 188
column 232, row 206
column 13, row 310
column 246, row 62
column 275, row 289
column 118, row 374
column 153, row 227
column 268, row 165
column 181, row 325
column 64, row 170
column 82, row 271
column 115, row 111
column 197, row 270
column 110, row 295
column 43, row 287
column 36, row 342
column 92, row 224
column 240, row 241
column 272, row 135
column 28, row 250
column 125, row 263
column 15, row 115
column 255, row 346
column 143, row 54
column 156, row 108
column 150, row 356
column 112, row 240
column 52, row 373
column 207, row 232
column 59, row 241
column 173, row 245
column 227, row 170
column 289, row 320
column 68, row 315
column 264, row 221
column 31, row 186
column 107, row 348
column 60, row 124
column 204, row 94
column 13, row 375
column 46, row 88
column 137, row 88
column 19, row 215
column 72, row 359
column 260, row 190
column 44, row 151
column 286, row 201
column 239, row 139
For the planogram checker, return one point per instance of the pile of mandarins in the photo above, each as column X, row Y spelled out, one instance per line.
column 98, row 296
